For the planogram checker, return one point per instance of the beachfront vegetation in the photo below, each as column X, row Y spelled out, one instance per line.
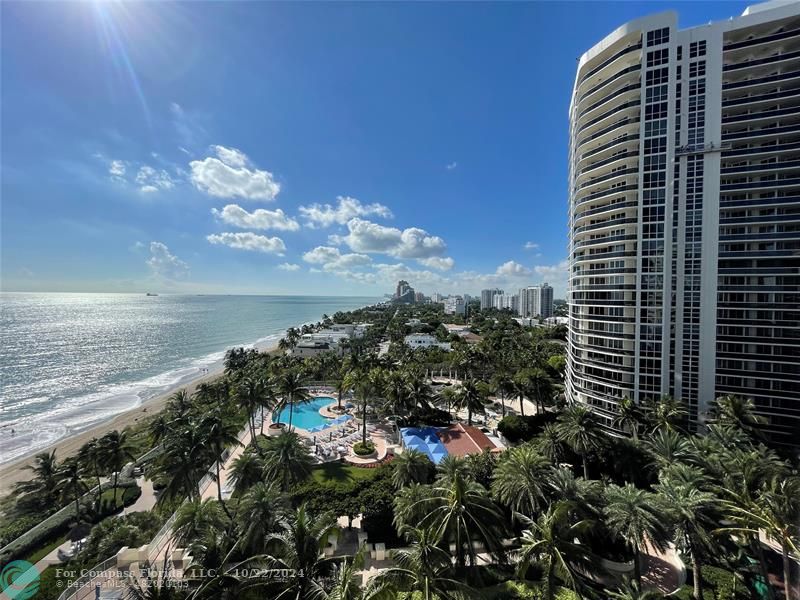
column 540, row 520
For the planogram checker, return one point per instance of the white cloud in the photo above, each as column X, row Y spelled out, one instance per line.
column 435, row 262
column 229, row 175
column 231, row 156
column 235, row 215
column 249, row 241
column 366, row 236
column 164, row 264
column 332, row 259
column 151, row 180
column 531, row 246
column 116, row 168
column 512, row 269
column 451, row 166
column 325, row 215
column 288, row 267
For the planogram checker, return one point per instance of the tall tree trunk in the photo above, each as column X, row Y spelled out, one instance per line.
column 291, row 413
column 637, row 567
column 762, row 561
column 585, row 468
column 697, row 577
column 364, row 422
column 219, row 485
column 787, row 572
column 78, row 507
column 469, row 416
column 551, row 580
column 521, row 405
column 339, row 403
column 503, row 403
column 116, row 475
column 262, row 421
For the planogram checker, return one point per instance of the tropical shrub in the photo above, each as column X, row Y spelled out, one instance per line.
column 516, row 428
column 364, row 449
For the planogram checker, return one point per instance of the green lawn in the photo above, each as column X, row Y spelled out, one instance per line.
column 45, row 549
column 338, row 472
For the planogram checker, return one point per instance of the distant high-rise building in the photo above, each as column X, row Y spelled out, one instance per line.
column 536, row 301
column 684, row 216
column 436, row 297
column 454, row 305
column 404, row 293
column 487, row 297
column 419, row 297
column 505, row 301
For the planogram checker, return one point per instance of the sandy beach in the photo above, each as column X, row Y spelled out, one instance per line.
column 14, row 471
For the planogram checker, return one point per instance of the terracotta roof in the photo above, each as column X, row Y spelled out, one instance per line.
column 460, row 440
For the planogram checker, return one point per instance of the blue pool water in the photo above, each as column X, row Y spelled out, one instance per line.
column 305, row 415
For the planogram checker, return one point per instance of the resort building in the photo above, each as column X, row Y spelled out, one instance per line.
column 487, row 298
column 404, row 293
column 684, row 216
column 424, row 340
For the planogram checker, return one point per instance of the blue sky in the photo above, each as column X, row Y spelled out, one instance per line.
column 292, row 148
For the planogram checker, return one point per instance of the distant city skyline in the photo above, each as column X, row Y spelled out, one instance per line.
column 292, row 148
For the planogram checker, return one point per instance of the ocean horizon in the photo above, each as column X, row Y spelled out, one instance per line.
column 70, row 361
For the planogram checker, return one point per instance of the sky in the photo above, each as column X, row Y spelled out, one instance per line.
column 292, row 148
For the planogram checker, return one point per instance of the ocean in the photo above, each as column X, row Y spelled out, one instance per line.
column 71, row 361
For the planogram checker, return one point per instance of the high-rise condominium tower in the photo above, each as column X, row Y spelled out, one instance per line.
column 536, row 301
column 684, row 216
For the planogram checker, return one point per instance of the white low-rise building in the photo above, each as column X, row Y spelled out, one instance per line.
column 425, row 340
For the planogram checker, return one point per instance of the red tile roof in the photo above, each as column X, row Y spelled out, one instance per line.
column 460, row 440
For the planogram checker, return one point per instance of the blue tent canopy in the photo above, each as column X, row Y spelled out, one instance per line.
column 425, row 440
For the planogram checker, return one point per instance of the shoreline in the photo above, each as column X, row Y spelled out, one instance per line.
column 14, row 471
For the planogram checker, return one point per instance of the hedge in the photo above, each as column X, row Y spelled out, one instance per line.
column 59, row 523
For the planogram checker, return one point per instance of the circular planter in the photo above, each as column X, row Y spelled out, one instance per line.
column 276, row 428
column 334, row 408
column 373, row 454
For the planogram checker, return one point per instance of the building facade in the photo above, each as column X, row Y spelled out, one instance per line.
column 487, row 298
column 536, row 301
column 454, row 305
column 684, row 216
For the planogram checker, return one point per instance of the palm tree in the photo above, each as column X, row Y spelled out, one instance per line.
column 739, row 412
column 552, row 539
column 290, row 385
column 776, row 512
column 579, row 428
column 418, row 391
column 540, row 386
column 470, row 397
column 504, row 384
column 89, row 459
column 667, row 447
column 629, row 417
column 424, row 569
column 366, row 385
column 261, row 512
column 411, row 466
column 411, row 505
column 179, row 403
column 550, row 444
column 299, row 549
column 632, row 590
column 688, row 507
column 666, row 413
column 219, row 432
column 159, row 428
column 395, row 390
column 198, row 523
column 519, row 479
column 586, row 494
column 636, row 517
column 246, row 471
column 286, row 459
column 41, row 488
column 115, row 450
column 249, row 393
column 69, row 483
column 182, row 463
column 463, row 513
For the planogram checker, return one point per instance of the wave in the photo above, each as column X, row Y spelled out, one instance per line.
column 29, row 434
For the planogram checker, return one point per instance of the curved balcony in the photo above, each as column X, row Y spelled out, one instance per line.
column 612, row 206
column 603, row 151
column 601, row 120
column 632, row 73
column 610, row 162
column 604, row 225
column 624, row 93
column 604, row 193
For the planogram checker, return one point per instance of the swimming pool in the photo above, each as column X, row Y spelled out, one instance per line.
column 305, row 415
